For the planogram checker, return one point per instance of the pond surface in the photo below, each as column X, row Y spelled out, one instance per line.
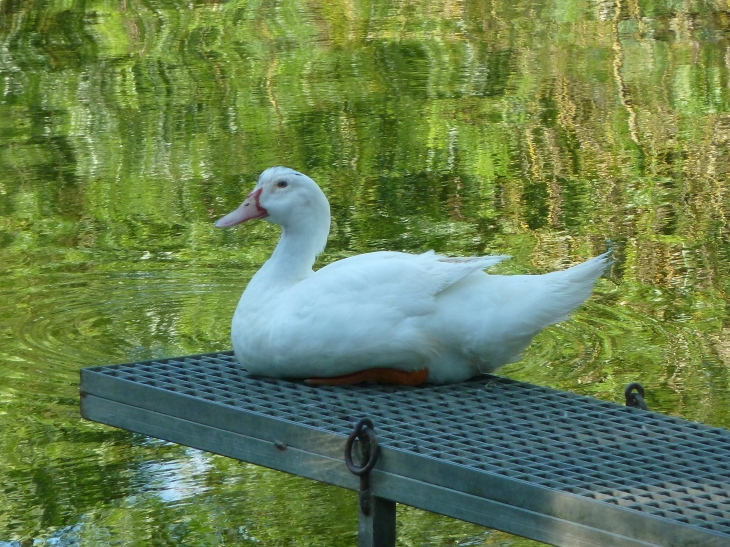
column 545, row 130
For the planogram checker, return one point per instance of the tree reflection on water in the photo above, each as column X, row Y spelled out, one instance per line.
column 545, row 130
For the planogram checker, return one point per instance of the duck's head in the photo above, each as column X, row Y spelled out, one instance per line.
column 285, row 197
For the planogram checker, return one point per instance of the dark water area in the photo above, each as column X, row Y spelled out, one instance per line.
column 549, row 131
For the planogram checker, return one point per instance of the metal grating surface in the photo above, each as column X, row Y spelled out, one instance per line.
column 642, row 461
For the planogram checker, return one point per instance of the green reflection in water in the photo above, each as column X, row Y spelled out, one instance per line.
column 538, row 129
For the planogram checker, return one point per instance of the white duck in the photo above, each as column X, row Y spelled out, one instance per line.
column 383, row 316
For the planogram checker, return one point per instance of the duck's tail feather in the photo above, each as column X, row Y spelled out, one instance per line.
column 590, row 270
column 505, row 312
column 571, row 287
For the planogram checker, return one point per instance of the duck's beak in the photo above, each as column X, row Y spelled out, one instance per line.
column 248, row 210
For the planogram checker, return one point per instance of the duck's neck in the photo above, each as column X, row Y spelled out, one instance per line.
column 294, row 255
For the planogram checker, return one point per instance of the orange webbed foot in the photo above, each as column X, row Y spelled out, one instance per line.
column 380, row 375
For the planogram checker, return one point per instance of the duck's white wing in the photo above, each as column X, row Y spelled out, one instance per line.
column 398, row 280
column 364, row 311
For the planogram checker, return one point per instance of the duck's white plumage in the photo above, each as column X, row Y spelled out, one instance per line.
column 383, row 309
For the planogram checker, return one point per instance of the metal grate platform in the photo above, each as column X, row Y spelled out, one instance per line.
column 545, row 464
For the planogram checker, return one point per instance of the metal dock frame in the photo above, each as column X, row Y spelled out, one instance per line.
column 540, row 463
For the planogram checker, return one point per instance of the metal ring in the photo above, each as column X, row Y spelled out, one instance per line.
column 364, row 426
column 635, row 400
column 640, row 403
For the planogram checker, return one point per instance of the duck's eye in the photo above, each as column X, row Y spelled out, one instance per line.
column 282, row 184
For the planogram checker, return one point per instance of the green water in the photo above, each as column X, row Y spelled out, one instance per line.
column 545, row 130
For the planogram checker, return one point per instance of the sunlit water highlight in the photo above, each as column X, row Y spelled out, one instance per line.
column 548, row 131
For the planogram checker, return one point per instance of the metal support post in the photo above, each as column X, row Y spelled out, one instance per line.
column 375, row 516
column 378, row 528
